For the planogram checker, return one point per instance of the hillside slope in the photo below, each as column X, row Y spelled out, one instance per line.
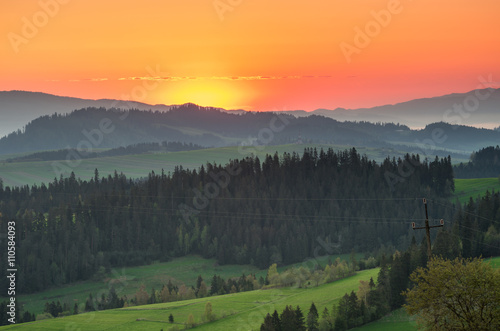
column 239, row 311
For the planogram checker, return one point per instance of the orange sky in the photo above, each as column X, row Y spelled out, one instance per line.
column 252, row 54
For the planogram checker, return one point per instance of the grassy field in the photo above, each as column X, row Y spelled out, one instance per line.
column 466, row 188
column 397, row 320
column 240, row 311
column 127, row 281
column 494, row 261
column 136, row 166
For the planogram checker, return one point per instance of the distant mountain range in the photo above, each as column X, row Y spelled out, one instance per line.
column 92, row 128
column 94, row 124
column 457, row 108
column 17, row 108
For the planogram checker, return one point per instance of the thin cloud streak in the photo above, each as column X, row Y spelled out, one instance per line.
column 191, row 78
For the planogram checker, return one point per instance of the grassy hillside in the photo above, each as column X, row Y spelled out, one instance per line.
column 240, row 311
column 136, row 166
column 127, row 281
column 397, row 320
column 466, row 188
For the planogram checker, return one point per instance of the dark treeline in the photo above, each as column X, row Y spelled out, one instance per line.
column 289, row 319
column 20, row 316
column 476, row 230
column 62, row 154
column 482, row 164
column 279, row 210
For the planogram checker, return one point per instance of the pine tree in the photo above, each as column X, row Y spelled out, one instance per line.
column 312, row 318
column 89, row 304
column 287, row 319
column 268, row 324
column 276, row 321
column 299, row 320
column 325, row 321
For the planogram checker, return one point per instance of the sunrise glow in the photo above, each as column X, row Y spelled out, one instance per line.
column 255, row 55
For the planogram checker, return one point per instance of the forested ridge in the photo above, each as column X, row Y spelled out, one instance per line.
column 274, row 211
column 92, row 127
column 483, row 163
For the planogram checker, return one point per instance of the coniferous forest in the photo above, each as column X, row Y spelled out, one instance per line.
column 281, row 210
column 483, row 163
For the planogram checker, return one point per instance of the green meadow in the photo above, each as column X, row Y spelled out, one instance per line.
column 474, row 187
column 127, row 281
column 398, row 320
column 239, row 311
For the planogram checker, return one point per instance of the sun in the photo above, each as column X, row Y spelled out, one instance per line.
column 205, row 92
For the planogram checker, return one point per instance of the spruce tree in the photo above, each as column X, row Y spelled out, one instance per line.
column 312, row 318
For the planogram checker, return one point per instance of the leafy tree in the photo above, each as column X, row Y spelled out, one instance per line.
column 208, row 315
column 272, row 275
column 203, row 290
column 141, row 296
column 190, row 321
column 364, row 289
column 165, row 294
column 459, row 294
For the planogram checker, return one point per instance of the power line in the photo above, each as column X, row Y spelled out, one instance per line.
column 427, row 230
column 466, row 212
column 240, row 198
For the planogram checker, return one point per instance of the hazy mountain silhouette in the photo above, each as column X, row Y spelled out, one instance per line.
column 420, row 112
column 17, row 108
column 91, row 128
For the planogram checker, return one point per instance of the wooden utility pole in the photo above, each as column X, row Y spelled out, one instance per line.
column 428, row 229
